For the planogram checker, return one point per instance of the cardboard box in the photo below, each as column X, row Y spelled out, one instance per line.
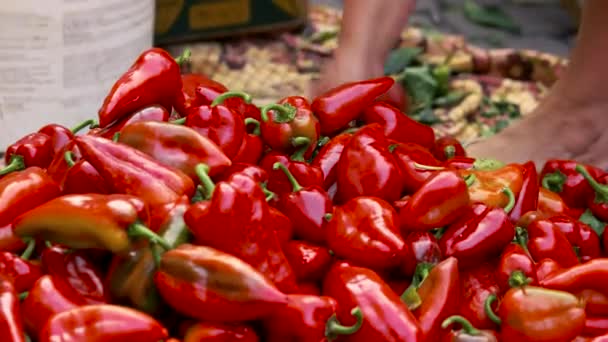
column 186, row 20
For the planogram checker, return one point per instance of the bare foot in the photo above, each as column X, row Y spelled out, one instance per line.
column 564, row 126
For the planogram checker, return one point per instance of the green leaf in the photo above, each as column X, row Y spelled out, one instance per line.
column 399, row 59
column 442, row 74
column 589, row 219
column 450, row 99
column 421, row 85
column 500, row 125
column 426, row 115
column 490, row 16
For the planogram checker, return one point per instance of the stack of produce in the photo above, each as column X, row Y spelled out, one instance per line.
column 186, row 213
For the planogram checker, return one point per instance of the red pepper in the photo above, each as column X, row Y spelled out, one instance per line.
column 244, row 235
column 257, row 173
column 303, row 319
column 490, row 186
column 197, row 90
column 103, row 322
column 595, row 326
column 439, row 202
column 309, row 262
column 220, row 123
column 460, row 163
column 11, row 326
column 78, row 270
column 220, row 332
column 536, row 314
column 596, row 303
column 35, row 149
column 306, row 207
column 398, row 126
column 367, row 168
column 154, row 78
column 19, row 270
column 380, row 315
column 307, row 175
column 440, row 295
column 421, row 248
column 528, row 196
column 20, row 192
column 545, row 240
column 251, row 149
column 328, row 157
column 598, row 201
column 309, row 289
column 365, row 230
column 590, row 275
column 60, row 135
column 551, row 204
column 477, row 285
column 515, row 267
column 545, row 268
column 468, row 333
column 341, row 105
column 207, row 284
column 561, row 176
column 281, row 224
column 584, row 239
column 152, row 113
column 50, row 295
column 82, row 177
column 289, row 125
column 416, row 163
column 482, row 235
column 175, row 146
column 446, row 148
column 129, row 171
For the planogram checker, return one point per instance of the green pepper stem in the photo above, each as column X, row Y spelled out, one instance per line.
column 488, row 309
column 181, row 59
column 220, row 99
column 328, row 216
column 391, row 148
column 333, row 328
column 350, row 130
column 284, row 113
column 295, row 186
column 470, row 179
column 467, row 327
column 202, row 171
column 518, row 279
column 521, row 238
column 27, row 337
column 601, row 191
column 29, row 249
column 69, row 158
column 302, row 144
column 507, row 191
column 411, row 298
column 16, row 163
column 180, row 121
column 323, row 141
column 91, row 123
column 269, row 194
column 155, row 254
column 255, row 123
column 422, row 272
column 428, row 167
column 116, row 136
column 139, row 230
column 23, row 295
column 554, row 181
column 449, row 151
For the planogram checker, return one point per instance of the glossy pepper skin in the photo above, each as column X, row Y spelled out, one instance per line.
column 440, row 295
column 580, row 236
column 280, row 224
column 21, row 272
column 303, row 319
column 488, row 186
column 439, row 202
column 60, row 135
column 596, row 303
column 306, row 207
column 220, row 332
column 537, row 314
column 220, row 123
column 175, row 146
column 251, row 149
column 210, row 285
column 20, row 192
column 129, row 171
column 468, row 333
column 35, row 149
column 421, row 247
column 154, row 78
column 460, row 163
column 514, row 264
column 82, row 178
column 307, row 175
column 478, row 284
column 309, row 262
column 257, row 173
column 550, row 203
column 398, row 126
column 595, row 326
column 365, row 230
column 367, row 168
column 328, row 157
column 598, row 201
column 11, row 325
column 480, row 236
column 106, row 222
column 385, row 317
column 560, row 176
column 446, row 148
column 103, row 322
column 528, row 196
column 196, row 90
column 283, row 123
column 152, row 113
column 546, row 240
column 130, row 277
column 78, row 270
column 590, row 275
column 409, row 158
column 49, row 295
column 244, row 235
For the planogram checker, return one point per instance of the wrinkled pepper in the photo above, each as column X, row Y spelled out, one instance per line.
column 328, row 157
column 251, row 149
column 416, row 163
column 478, row 284
column 421, row 248
column 11, row 325
column 309, row 262
column 446, row 148
column 197, row 90
column 582, row 237
column 280, row 224
column 220, row 332
column 561, row 177
column 19, row 270
column 528, row 196
column 546, row 240
column 489, row 186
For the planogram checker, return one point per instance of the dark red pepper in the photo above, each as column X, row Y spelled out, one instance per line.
column 11, row 326
column 584, row 239
column 515, row 267
column 22, row 272
column 309, row 262
column 307, row 175
column 281, row 224
column 595, row 326
column 82, row 177
column 420, row 248
column 460, row 163
column 251, row 149
column 60, row 135
column 447, row 147
column 596, row 303
column 257, row 173
column 598, row 201
column 197, row 90
column 35, row 149
column 527, row 200
column 416, row 163
column 478, row 284
column 220, row 332
column 590, row 275
column 561, row 176
column 546, row 240
column 152, row 113
column 328, row 157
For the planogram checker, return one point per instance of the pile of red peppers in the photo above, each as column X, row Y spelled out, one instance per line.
column 184, row 212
